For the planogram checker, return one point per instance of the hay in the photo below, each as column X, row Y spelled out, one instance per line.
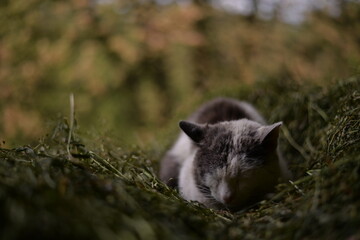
column 105, row 192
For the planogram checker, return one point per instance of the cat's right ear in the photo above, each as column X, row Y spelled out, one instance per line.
column 269, row 136
column 195, row 131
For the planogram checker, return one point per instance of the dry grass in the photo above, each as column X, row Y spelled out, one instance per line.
column 106, row 192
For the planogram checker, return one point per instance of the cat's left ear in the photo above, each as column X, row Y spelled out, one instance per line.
column 269, row 136
column 195, row 131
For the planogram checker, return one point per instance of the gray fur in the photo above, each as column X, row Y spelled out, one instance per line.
column 226, row 157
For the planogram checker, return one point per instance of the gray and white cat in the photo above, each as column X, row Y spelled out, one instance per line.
column 226, row 157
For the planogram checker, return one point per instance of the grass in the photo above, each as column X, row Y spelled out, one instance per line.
column 106, row 192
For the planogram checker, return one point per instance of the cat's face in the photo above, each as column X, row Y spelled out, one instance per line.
column 236, row 163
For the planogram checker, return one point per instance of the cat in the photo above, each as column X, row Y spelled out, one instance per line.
column 226, row 157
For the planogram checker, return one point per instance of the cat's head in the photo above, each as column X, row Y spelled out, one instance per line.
column 236, row 163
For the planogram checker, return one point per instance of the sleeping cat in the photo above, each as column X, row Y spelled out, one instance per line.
column 226, row 157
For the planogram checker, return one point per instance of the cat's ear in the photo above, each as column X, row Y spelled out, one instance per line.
column 195, row 131
column 269, row 136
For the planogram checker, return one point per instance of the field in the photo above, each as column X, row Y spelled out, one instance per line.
column 105, row 192
column 96, row 177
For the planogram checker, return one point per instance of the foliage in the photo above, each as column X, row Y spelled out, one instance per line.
column 106, row 192
column 135, row 66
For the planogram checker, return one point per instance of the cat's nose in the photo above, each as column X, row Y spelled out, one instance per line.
column 228, row 198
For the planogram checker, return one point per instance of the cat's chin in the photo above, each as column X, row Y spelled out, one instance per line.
column 223, row 207
column 237, row 208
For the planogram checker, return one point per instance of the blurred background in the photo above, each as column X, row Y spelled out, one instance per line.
column 137, row 66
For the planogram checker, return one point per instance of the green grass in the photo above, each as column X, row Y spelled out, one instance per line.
column 106, row 192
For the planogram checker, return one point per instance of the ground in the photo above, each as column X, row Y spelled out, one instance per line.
column 108, row 191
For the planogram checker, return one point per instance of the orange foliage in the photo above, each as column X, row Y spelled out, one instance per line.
column 134, row 63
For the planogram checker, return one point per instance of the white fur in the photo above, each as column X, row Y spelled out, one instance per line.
column 187, row 185
column 182, row 148
column 223, row 191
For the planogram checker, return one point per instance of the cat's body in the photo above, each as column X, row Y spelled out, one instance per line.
column 226, row 156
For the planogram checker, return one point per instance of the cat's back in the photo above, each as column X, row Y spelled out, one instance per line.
column 225, row 109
